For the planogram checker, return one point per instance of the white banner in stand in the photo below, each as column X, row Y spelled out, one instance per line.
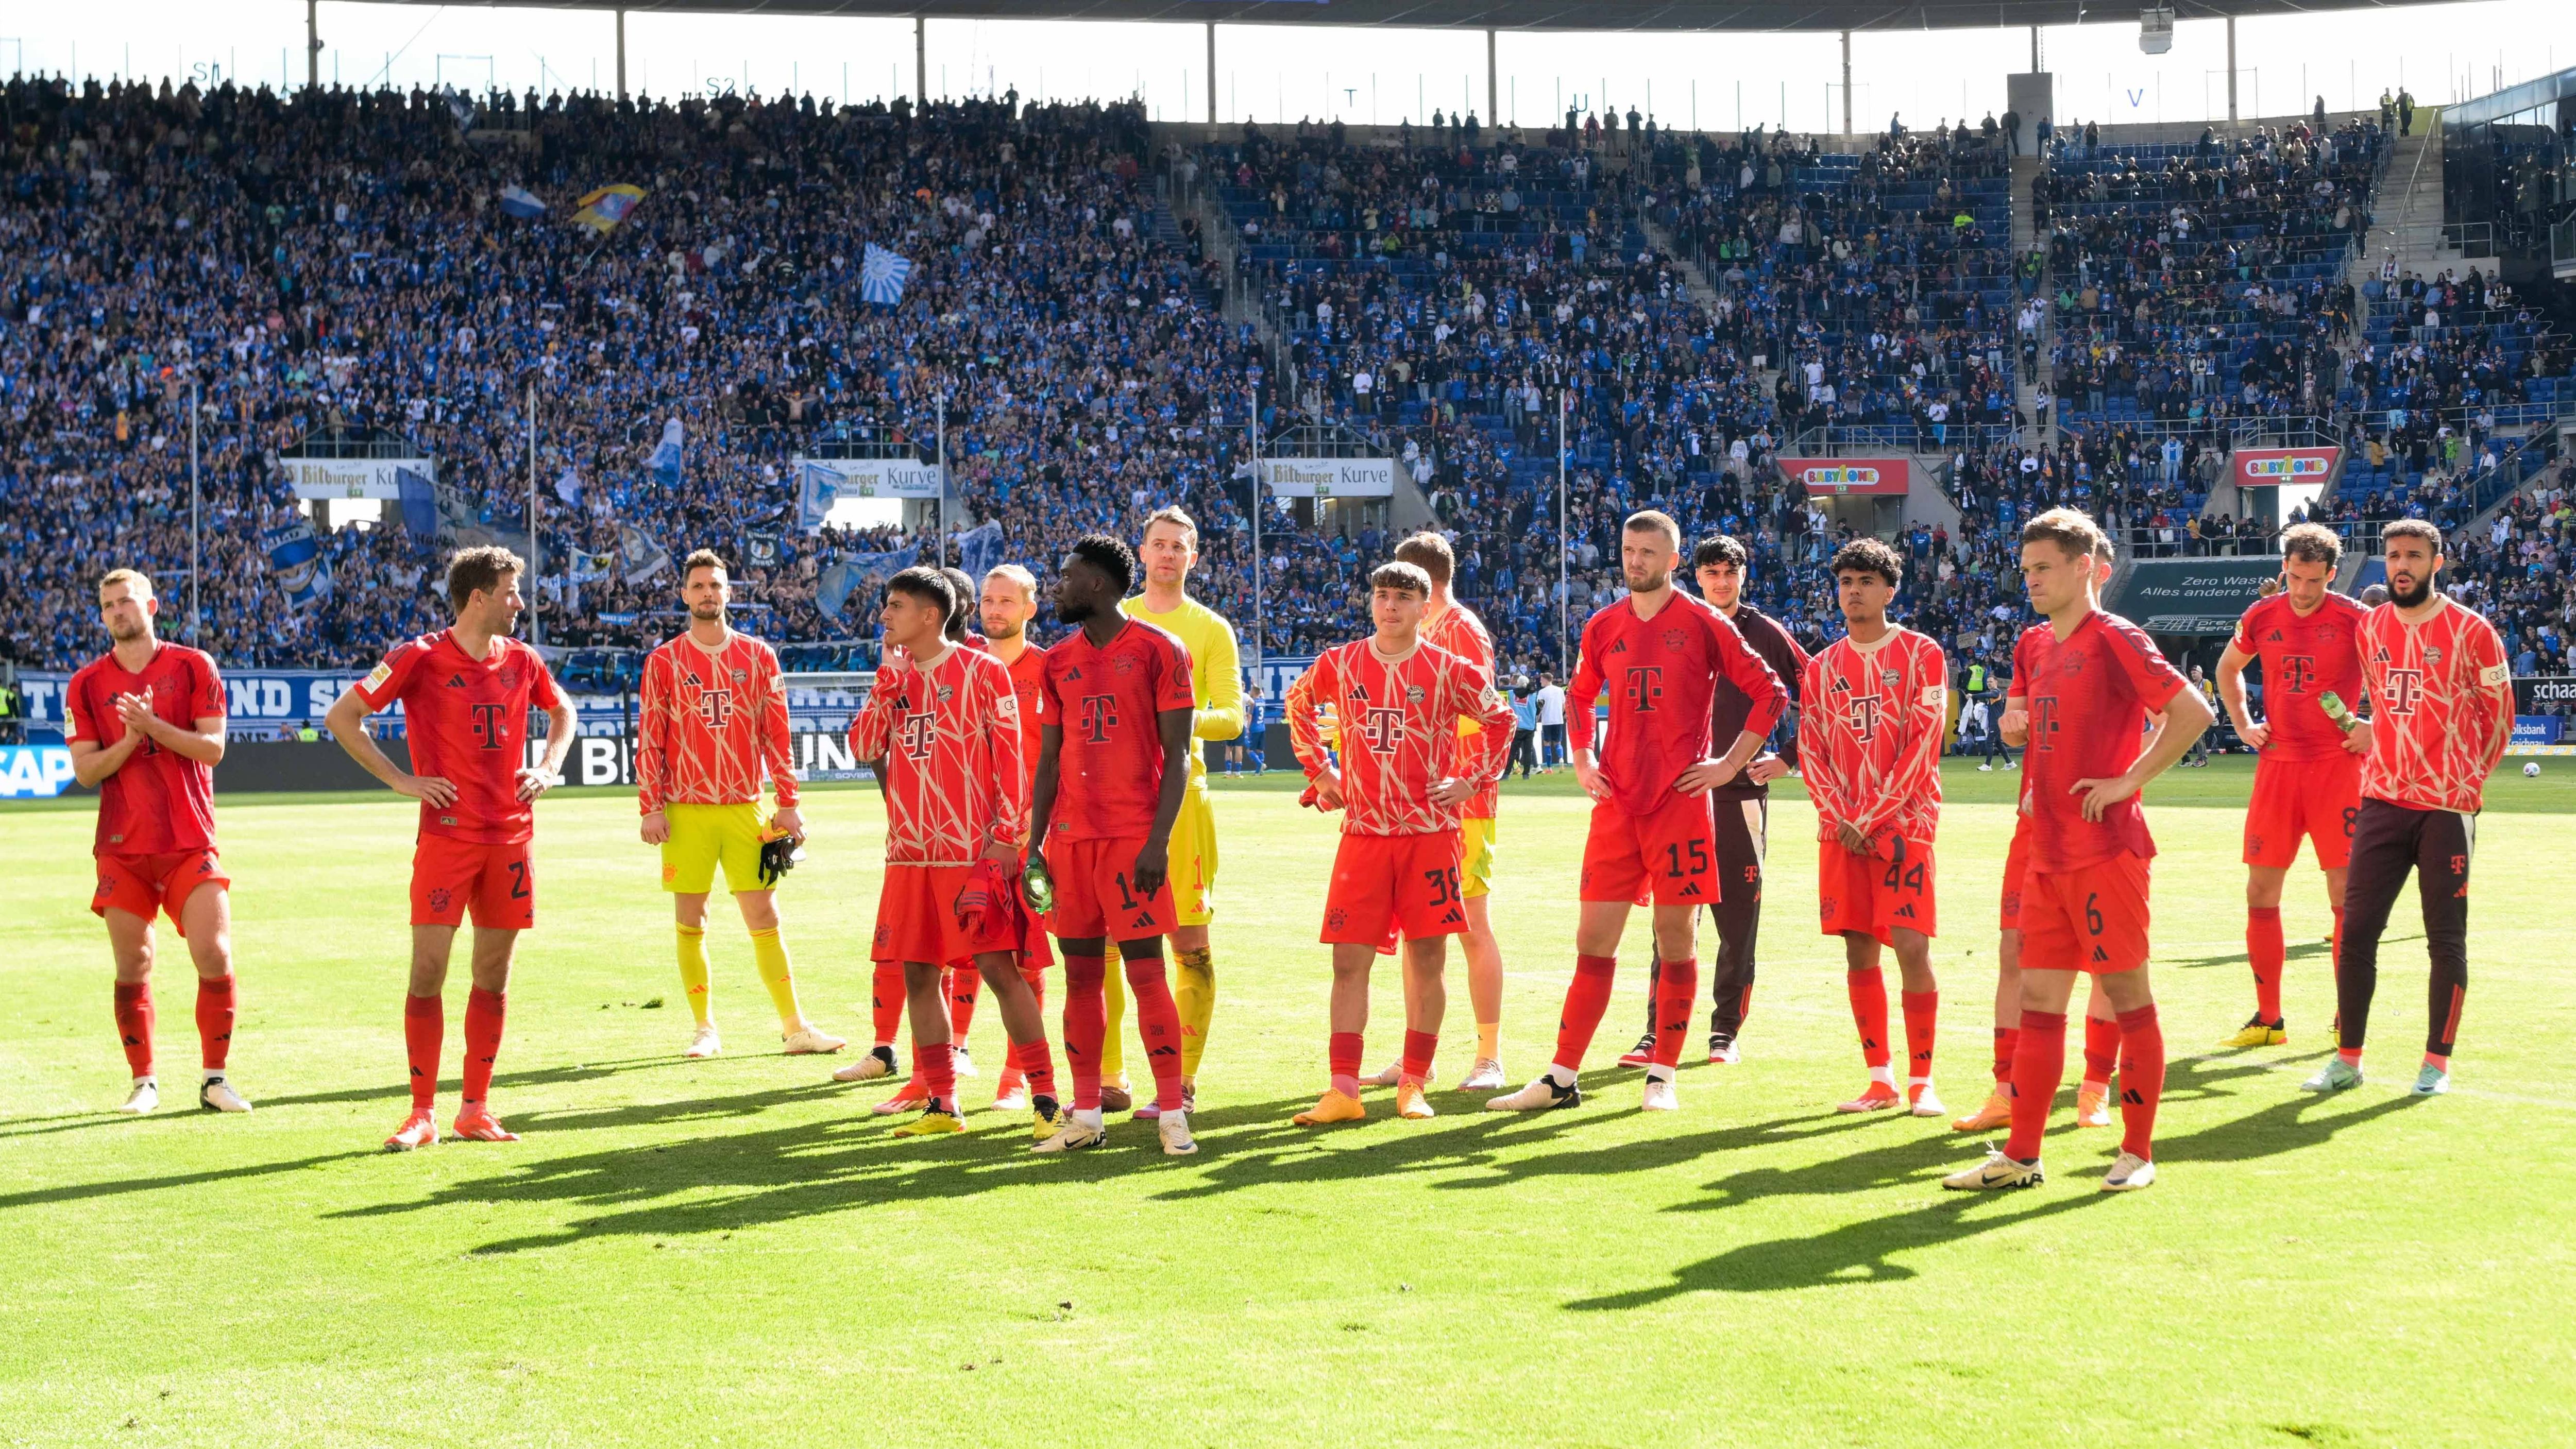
column 1330, row 477
column 821, row 482
column 326, row 479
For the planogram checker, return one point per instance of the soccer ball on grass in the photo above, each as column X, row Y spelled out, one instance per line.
column 2531, row 771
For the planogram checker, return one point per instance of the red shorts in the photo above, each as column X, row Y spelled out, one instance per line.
column 2016, row 866
column 1384, row 885
column 1670, row 855
column 917, row 918
column 496, row 881
column 1876, row 895
column 2093, row 919
column 2318, row 799
column 143, row 885
column 1093, row 897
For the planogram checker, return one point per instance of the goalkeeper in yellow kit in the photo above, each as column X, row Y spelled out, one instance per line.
column 1169, row 551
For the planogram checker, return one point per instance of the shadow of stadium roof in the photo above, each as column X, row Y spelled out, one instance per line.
column 1816, row 15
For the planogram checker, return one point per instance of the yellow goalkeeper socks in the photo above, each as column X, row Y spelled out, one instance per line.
column 770, row 954
column 1113, row 1055
column 693, row 971
column 1194, row 994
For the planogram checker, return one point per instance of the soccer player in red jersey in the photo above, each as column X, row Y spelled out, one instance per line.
column 1396, row 702
column 2441, row 700
column 2091, row 680
column 1660, row 653
column 1007, row 603
column 145, row 725
column 465, row 692
column 2307, row 770
column 1877, row 703
column 713, row 721
column 1113, row 761
column 943, row 729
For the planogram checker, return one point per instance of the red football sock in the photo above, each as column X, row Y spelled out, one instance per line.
column 484, row 1011
column 2101, row 1049
column 964, row 982
column 2142, row 1079
column 1158, row 1021
column 424, row 1031
column 214, row 1020
column 1086, row 1024
column 2265, row 949
column 885, row 1000
column 2037, row 1065
column 1586, row 998
column 1342, row 1056
column 1418, row 1047
column 1868, row 993
column 939, row 1071
column 1922, row 1026
column 1035, row 1062
column 134, row 1024
column 2007, row 1041
column 1676, row 992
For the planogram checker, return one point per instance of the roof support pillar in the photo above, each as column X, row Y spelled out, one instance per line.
column 2231, row 67
column 1847, row 116
column 1493, row 104
column 2035, row 66
column 1211, row 72
column 920, row 61
column 312, row 45
column 621, row 52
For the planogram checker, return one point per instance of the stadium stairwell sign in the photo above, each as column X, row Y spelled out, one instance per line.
column 2275, row 467
column 1837, row 477
column 1329, row 477
column 2192, row 595
column 332, row 478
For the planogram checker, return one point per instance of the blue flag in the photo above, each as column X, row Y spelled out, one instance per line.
column 817, row 489
column 882, row 275
column 665, row 462
column 844, row 577
column 979, row 549
column 520, row 202
column 568, row 487
column 419, row 502
column 295, row 558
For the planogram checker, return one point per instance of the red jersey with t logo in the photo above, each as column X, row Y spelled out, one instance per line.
column 2303, row 659
column 1869, row 736
column 157, row 801
column 2089, row 696
column 1397, row 721
column 1660, row 674
column 712, row 722
column 946, row 740
column 1108, row 702
column 1460, row 632
column 2441, row 707
column 466, row 720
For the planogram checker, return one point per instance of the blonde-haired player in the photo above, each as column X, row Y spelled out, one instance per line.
column 1006, row 606
column 1169, row 551
column 713, row 720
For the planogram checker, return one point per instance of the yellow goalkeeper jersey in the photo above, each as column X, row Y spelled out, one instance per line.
column 1216, row 671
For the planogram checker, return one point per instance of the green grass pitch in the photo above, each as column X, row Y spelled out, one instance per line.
column 735, row 1252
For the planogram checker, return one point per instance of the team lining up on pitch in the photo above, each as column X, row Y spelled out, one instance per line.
column 1049, row 800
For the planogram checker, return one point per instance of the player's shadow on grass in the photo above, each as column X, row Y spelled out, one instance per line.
column 392, row 1089
column 118, row 1187
column 2300, row 952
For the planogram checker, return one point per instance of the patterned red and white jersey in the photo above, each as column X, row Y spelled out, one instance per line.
column 1662, row 676
column 2304, row 657
column 1397, row 723
column 1460, row 632
column 947, row 746
column 2441, row 707
column 1869, row 735
column 711, row 723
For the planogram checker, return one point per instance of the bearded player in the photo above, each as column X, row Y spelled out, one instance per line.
column 1740, row 809
column 1660, row 653
column 465, row 692
column 1870, row 738
column 1453, row 627
column 2092, row 681
column 2441, row 700
column 713, row 720
column 2307, row 770
column 1169, row 551
column 145, row 726
column 1112, row 768
column 1396, row 702
column 943, row 728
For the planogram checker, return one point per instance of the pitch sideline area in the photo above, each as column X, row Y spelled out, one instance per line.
column 735, row 1251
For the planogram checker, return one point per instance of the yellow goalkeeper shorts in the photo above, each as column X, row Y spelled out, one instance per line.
column 706, row 836
column 1476, row 875
column 1193, row 856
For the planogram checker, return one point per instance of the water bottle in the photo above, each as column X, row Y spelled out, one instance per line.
column 1037, row 887
column 2337, row 712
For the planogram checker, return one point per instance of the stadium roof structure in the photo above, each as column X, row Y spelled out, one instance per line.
column 1607, row 15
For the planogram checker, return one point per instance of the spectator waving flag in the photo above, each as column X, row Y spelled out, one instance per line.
column 980, row 548
column 838, row 580
column 419, row 502
column 603, row 209
column 521, row 202
column 295, row 558
column 882, row 275
column 665, row 460
column 568, row 487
